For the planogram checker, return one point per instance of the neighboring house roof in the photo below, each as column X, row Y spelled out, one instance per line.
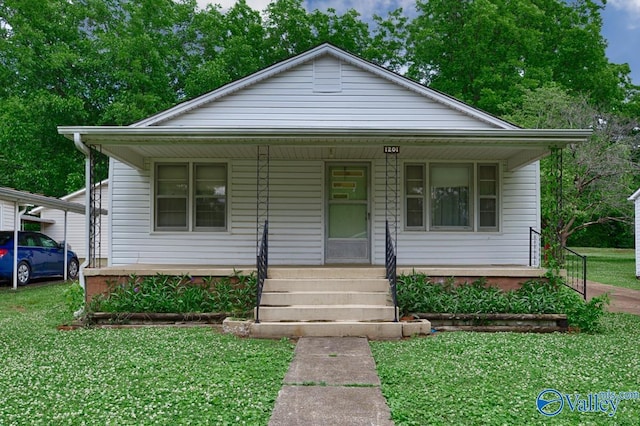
column 71, row 196
column 204, row 126
column 27, row 198
column 635, row 196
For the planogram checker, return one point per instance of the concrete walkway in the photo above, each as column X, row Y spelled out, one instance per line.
column 331, row 381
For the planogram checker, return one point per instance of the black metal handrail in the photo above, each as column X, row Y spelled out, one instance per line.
column 573, row 263
column 576, row 266
column 262, row 265
column 535, row 244
column 391, row 272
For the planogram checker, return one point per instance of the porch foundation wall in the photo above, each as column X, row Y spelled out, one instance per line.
column 100, row 280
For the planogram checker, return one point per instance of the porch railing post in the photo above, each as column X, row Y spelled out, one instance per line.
column 391, row 269
column 262, row 221
column 391, row 214
column 95, row 210
column 262, row 266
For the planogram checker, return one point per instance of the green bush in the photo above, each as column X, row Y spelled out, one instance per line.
column 74, row 298
column 417, row 293
column 179, row 294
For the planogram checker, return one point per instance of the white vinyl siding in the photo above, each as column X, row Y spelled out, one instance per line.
column 296, row 226
column 290, row 99
column 7, row 215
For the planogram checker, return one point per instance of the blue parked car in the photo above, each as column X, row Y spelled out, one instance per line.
column 38, row 256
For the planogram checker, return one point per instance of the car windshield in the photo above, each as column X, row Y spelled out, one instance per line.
column 5, row 237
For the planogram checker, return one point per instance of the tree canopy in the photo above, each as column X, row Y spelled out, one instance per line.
column 113, row 62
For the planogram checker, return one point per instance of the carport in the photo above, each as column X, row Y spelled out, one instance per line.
column 23, row 199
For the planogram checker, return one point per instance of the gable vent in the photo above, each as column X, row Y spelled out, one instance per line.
column 327, row 75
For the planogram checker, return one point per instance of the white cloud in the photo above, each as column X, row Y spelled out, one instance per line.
column 632, row 6
column 258, row 5
column 366, row 8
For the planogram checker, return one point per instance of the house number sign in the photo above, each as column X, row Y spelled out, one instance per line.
column 392, row 150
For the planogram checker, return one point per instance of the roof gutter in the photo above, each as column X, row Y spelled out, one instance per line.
column 141, row 136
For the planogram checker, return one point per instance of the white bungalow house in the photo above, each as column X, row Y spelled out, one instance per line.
column 330, row 148
column 53, row 221
column 636, row 200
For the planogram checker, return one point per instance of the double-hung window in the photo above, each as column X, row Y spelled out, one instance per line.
column 487, row 197
column 451, row 196
column 190, row 197
column 414, row 184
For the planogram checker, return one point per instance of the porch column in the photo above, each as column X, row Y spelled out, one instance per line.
column 262, row 192
column 95, row 208
column 391, row 191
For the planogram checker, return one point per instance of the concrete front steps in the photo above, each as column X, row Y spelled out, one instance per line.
column 330, row 302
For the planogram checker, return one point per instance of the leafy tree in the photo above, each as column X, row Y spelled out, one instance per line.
column 141, row 55
column 388, row 47
column 597, row 175
column 34, row 157
column 488, row 52
column 42, row 64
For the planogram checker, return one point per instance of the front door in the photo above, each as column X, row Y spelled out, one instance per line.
column 347, row 230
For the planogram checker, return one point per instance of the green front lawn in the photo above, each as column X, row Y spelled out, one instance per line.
column 461, row 378
column 198, row 376
column 611, row 266
column 138, row 376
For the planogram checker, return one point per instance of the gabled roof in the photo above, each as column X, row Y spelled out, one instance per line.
column 635, row 196
column 321, row 50
column 205, row 127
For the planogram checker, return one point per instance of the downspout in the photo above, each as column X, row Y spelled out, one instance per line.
column 77, row 140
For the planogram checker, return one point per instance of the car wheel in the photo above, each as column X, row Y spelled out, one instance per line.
column 74, row 267
column 24, row 273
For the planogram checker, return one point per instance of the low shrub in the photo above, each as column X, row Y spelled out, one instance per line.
column 179, row 294
column 417, row 293
column 74, row 298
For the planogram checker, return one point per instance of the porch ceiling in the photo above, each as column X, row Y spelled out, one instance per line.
column 137, row 146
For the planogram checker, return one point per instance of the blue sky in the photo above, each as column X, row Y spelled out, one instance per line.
column 621, row 22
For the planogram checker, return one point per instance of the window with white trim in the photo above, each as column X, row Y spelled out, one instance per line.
column 190, row 197
column 451, row 197
column 414, row 184
column 487, row 197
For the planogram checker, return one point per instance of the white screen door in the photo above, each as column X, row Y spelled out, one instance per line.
column 348, row 214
